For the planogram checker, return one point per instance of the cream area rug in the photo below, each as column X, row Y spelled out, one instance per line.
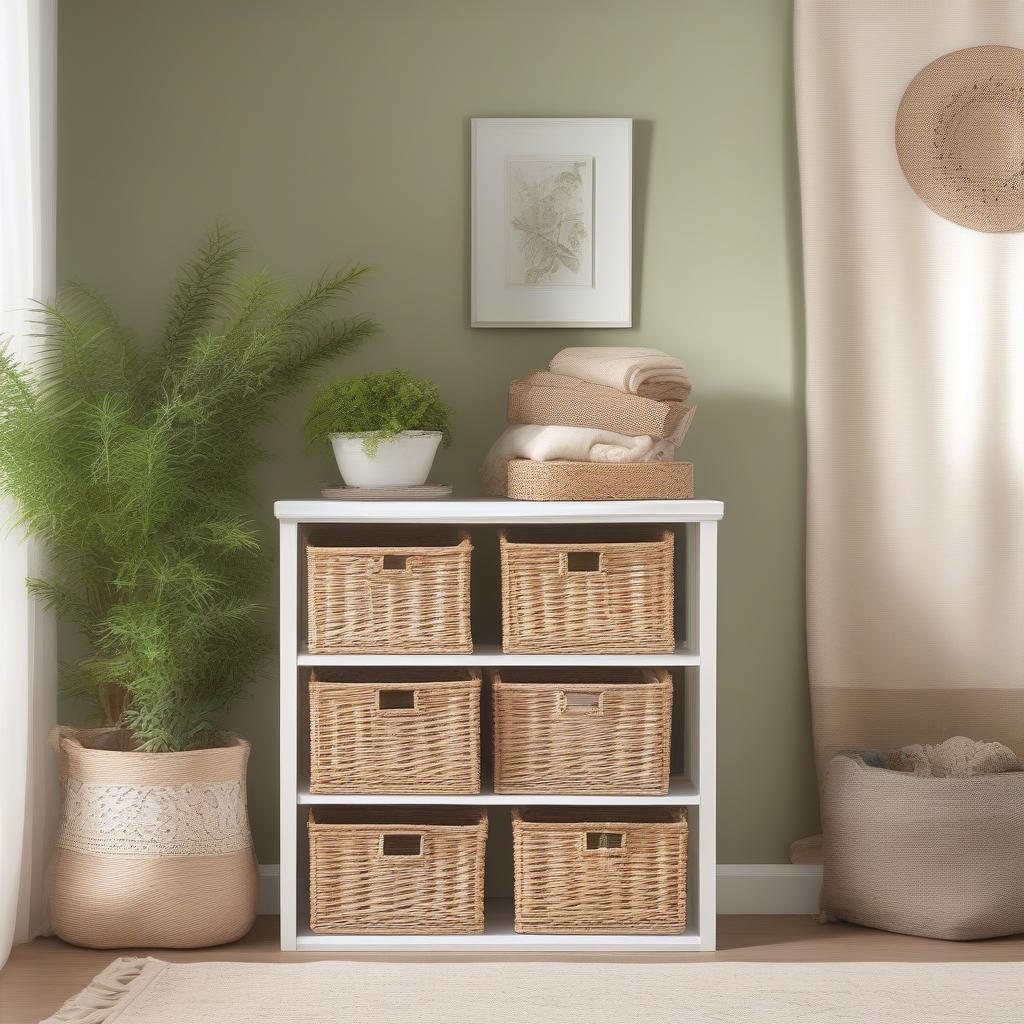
column 147, row 991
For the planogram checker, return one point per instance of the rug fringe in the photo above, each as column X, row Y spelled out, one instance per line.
column 104, row 994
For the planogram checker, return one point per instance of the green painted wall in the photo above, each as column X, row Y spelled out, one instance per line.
column 331, row 131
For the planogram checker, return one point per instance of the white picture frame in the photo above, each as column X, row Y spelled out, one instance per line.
column 551, row 212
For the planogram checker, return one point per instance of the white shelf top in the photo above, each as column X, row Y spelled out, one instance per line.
column 681, row 793
column 500, row 935
column 498, row 510
column 491, row 655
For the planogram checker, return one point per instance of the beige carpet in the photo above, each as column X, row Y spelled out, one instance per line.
column 147, row 991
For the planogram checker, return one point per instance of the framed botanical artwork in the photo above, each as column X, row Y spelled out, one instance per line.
column 552, row 221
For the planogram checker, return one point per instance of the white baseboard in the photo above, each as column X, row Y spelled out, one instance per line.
column 768, row 888
column 270, row 889
column 742, row 888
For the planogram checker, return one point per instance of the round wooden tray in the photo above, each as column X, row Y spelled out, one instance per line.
column 424, row 492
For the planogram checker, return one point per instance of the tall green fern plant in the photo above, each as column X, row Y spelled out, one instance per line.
column 132, row 466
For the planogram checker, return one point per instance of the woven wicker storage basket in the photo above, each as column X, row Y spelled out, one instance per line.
column 560, row 593
column 577, row 874
column 389, row 598
column 582, row 731
column 396, row 871
column 598, row 481
column 394, row 730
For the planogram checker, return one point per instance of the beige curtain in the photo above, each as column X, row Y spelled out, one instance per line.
column 28, row 698
column 915, row 401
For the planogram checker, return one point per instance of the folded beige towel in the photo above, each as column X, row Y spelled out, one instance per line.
column 636, row 371
column 957, row 758
column 577, row 444
column 557, row 400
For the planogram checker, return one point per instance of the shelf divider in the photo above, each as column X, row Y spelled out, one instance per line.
column 487, row 655
column 681, row 793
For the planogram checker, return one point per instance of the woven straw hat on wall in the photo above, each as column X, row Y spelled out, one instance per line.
column 960, row 137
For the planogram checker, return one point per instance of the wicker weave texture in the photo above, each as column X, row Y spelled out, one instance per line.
column 389, row 600
column 589, row 598
column 575, row 874
column 582, row 731
column 364, row 880
column 394, row 731
column 562, row 480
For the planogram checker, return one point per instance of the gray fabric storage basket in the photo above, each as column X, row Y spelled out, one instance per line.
column 942, row 858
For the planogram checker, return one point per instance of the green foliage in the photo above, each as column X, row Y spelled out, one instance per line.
column 380, row 405
column 133, row 466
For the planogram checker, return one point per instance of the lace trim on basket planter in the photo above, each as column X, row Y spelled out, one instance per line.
column 154, row 821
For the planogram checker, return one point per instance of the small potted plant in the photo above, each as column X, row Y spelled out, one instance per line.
column 131, row 465
column 384, row 428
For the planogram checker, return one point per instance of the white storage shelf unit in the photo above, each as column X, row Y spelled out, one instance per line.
column 693, row 736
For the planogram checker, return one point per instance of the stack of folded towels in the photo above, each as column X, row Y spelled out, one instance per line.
column 594, row 405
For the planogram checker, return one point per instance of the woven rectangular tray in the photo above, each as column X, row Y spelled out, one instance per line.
column 598, row 481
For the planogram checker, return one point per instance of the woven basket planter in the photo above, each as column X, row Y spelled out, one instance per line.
column 560, row 593
column 582, row 731
column 598, row 481
column 152, row 849
column 394, row 731
column 576, row 874
column 391, row 871
column 388, row 598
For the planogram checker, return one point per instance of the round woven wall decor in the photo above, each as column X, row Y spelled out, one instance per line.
column 960, row 137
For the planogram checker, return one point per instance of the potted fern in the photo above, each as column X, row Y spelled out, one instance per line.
column 131, row 465
column 384, row 428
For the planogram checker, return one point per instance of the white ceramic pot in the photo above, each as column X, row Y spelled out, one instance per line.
column 402, row 461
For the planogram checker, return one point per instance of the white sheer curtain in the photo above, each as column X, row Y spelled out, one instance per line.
column 28, row 702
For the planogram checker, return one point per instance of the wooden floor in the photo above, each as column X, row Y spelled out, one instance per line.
column 42, row 974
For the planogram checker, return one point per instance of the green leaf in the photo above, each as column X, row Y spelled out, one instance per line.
column 133, row 465
column 381, row 405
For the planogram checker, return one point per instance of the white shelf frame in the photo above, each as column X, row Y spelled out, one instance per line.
column 491, row 656
column 681, row 793
column 697, row 523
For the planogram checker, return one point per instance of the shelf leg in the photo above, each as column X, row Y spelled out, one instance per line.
column 289, row 554
column 707, row 645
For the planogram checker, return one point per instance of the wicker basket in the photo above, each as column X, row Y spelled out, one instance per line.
column 388, row 598
column 576, row 874
column 560, row 593
column 394, row 731
column 598, row 481
column 396, row 871
column 582, row 731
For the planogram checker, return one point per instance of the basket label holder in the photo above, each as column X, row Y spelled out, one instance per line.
column 604, row 844
column 401, row 846
column 398, row 702
column 582, row 561
column 574, row 702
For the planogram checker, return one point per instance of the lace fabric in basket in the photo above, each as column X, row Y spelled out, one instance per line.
column 154, row 821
